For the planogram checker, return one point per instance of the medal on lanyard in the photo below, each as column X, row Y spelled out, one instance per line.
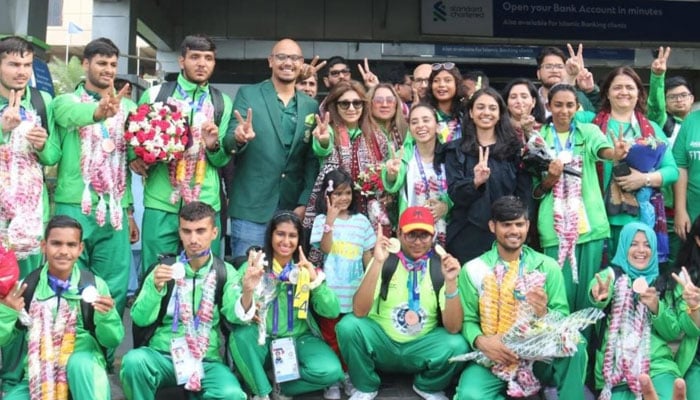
column 564, row 154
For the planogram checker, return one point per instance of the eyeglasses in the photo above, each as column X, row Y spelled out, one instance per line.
column 284, row 57
column 423, row 236
column 345, row 104
column 679, row 96
column 421, row 81
column 384, row 99
column 549, row 67
column 337, row 72
column 446, row 66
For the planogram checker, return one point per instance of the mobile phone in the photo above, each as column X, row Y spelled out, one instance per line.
column 621, row 169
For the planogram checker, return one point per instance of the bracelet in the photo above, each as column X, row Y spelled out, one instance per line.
column 452, row 295
column 693, row 309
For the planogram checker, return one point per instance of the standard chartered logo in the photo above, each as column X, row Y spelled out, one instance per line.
column 439, row 11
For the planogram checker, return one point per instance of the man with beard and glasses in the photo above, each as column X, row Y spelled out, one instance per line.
column 275, row 166
column 209, row 113
column 93, row 184
column 493, row 287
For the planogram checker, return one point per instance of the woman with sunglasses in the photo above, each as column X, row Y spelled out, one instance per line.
column 445, row 95
column 481, row 167
column 387, row 113
column 346, row 137
column 526, row 112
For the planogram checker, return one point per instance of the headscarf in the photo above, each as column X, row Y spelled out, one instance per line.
column 626, row 236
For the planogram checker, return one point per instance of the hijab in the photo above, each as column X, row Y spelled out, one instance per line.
column 651, row 272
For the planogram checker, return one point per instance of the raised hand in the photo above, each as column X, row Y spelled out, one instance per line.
column 649, row 393
column 381, row 251
column 108, row 105
column 393, row 165
column 11, row 117
column 601, row 289
column 650, row 298
column 681, row 223
column 244, row 131
column 311, row 68
column 254, row 272
column 332, row 211
column 321, row 132
column 450, row 267
column 585, row 81
column 621, row 146
column 368, row 77
column 527, row 123
column 537, row 298
column 14, row 298
column 658, row 66
column 305, row 263
column 162, row 274
column 210, row 135
column 437, row 208
column 481, row 169
column 691, row 293
column 575, row 62
column 103, row 304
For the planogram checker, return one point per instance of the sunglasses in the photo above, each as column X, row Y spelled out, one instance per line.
column 446, row 66
column 337, row 72
column 345, row 104
column 384, row 100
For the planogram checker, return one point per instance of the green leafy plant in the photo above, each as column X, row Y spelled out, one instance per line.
column 66, row 76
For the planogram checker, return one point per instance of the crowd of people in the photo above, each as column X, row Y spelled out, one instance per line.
column 401, row 224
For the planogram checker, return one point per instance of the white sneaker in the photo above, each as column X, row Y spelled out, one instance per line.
column 430, row 396
column 363, row 396
column 332, row 392
column 348, row 388
column 277, row 394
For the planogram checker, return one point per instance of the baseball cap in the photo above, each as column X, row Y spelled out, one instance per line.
column 417, row 218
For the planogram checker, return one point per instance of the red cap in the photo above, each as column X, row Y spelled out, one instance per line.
column 417, row 218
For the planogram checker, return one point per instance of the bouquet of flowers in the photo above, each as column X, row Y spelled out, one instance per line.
column 9, row 270
column 369, row 184
column 536, row 157
column 645, row 154
column 536, row 339
column 158, row 132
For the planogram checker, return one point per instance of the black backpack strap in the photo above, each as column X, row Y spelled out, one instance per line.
column 87, row 278
column 166, row 90
column 669, row 125
column 217, row 100
column 388, row 270
column 438, row 281
column 31, row 281
column 37, row 101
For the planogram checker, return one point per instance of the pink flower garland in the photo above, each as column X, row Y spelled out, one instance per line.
column 104, row 172
column 567, row 205
column 182, row 185
column 628, row 341
column 21, row 188
column 197, row 338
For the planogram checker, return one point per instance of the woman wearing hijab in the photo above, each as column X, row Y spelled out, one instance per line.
column 639, row 324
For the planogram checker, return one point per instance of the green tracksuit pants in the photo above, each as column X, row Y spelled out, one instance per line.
column 588, row 257
column 87, row 379
column 319, row 367
column 145, row 370
column 478, row 383
column 366, row 348
column 159, row 235
column 692, row 380
column 663, row 383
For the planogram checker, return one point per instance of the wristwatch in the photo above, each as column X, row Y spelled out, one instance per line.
column 327, row 228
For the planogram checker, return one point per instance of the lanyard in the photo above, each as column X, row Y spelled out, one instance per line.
column 557, row 143
column 176, row 312
column 290, row 312
column 412, row 284
column 186, row 97
column 426, row 183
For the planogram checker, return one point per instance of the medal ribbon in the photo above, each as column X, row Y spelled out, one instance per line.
column 557, row 143
column 301, row 297
column 186, row 97
column 290, row 312
column 441, row 183
column 176, row 312
column 413, row 268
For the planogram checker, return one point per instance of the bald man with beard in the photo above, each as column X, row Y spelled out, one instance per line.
column 275, row 166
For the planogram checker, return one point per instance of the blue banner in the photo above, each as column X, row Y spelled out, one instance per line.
column 42, row 77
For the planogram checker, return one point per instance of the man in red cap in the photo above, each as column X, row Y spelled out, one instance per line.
column 406, row 313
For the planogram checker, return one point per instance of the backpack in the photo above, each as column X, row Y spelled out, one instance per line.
column 436, row 277
column 143, row 334
column 217, row 98
column 39, row 106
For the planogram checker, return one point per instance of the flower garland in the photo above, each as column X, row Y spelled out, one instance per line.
column 628, row 340
column 198, row 329
column 193, row 164
column 21, row 188
column 50, row 346
column 567, row 205
column 103, row 167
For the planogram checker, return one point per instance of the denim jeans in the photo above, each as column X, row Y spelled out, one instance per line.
column 245, row 234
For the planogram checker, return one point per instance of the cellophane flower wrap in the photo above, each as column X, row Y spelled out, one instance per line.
column 158, row 132
column 645, row 156
column 369, row 184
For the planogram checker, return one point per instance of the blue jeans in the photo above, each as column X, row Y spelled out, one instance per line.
column 245, row 234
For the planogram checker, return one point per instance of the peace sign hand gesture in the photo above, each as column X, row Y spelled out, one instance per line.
column 321, row 132
column 621, row 146
column 658, row 66
column 244, row 130
column 312, row 68
column 481, row 169
column 575, row 63
column 368, row 77
column 691, row 293
column 254, row 272
column 305, row 263
column 393, row 165
column 108, row 105
column 11, row 117
column 601, row 289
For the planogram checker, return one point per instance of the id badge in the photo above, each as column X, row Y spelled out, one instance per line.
column 284, row 360
column 184, row 364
